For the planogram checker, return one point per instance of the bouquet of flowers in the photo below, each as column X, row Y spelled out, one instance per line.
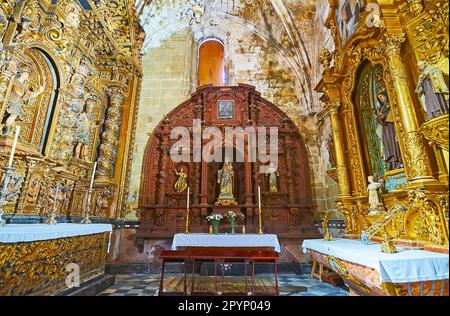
column 215, row 220
column 232, row 217
column 214, row 217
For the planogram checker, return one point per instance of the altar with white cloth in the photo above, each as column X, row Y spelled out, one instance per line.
column 219, row 251
column 226, row 240
column 37, row 259
column 368, row 271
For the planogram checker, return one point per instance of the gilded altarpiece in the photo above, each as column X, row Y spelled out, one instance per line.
column 69, row 71
column 286, row 206
column 376, row 57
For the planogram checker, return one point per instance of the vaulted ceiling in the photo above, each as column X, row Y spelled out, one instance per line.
column 290, row 26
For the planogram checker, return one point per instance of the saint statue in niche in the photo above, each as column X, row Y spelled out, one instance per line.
column 181, row 183
column 85, row 127
column 225, row 178
column 433, row 89
column 374, row 195
column 21, row 94
column 273, row 173
column 331, row 153
column 392, row 155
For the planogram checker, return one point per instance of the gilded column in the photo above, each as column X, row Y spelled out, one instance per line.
column 110, row 136
column 419, row 168
column 341, row 166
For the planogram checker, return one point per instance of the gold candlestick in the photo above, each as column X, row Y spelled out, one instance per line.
column 260, row 232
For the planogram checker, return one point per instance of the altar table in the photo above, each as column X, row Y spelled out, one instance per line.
column 224, row 240
column 222, row 249
column 368, row 271
column 37, row 259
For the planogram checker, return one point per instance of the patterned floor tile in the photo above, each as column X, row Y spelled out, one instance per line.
column 289, row 284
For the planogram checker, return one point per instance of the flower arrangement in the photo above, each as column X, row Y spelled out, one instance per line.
column 215, row 220
column 232, row 217
column 214, row 217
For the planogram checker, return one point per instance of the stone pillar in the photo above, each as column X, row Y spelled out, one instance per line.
column 110, row 136
column 339, row 149
column 417, row 164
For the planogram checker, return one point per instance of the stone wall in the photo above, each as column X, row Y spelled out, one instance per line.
column 167, row 81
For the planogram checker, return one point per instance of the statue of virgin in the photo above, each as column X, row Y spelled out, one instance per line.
column 225, row 178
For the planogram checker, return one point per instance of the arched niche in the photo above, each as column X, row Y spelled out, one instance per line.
column 376, row 125
column 36, row 111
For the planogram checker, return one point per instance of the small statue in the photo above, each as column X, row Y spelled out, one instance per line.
column 375, row 201
column 326, row 230
column 388, row 245
column 83, row 131
column 72, row 16
column 331, row 152
column 325, row 57
column 225, row 178
column 181, row 184
column 272, row 170
column 20, row 95
column 434, row 90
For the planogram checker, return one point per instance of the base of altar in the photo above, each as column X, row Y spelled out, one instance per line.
column 39, row 259
column 369, row 272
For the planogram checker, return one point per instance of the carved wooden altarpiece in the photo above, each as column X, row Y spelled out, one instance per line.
column 287, row 213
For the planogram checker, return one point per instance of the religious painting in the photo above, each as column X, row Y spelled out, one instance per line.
column 225, row 110
column 348, row 14
column 377, row 126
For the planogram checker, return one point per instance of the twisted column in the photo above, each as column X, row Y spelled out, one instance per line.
column 419, row 168
column 110, row 136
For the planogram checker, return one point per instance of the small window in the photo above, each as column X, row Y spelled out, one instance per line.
column 211, row 65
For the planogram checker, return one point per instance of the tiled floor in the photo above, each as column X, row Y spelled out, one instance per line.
column 290, row 285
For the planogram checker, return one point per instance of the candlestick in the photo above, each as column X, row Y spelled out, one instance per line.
column 188, row 191
column 86, row 219
column 259, row 197
column 93, row 176
column 13, row 148
column 260, row 232
column 186, row 231
column 52, row 219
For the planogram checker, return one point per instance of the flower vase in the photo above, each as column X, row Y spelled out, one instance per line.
column 216, row 227
column 233, row 227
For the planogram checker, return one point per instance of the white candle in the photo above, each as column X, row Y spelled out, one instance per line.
column 188, row 198
column 13, row 148
column 93, row 176
column 259, row 196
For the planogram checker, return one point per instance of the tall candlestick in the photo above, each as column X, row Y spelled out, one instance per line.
column 86, row 219
column 260, row 231
column 188, row 191
column 259, row 196
column 186, row 231
column 93, row 176
column 13, row 148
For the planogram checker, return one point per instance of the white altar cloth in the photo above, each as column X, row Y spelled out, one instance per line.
column 403, row 267
column 223, row 240
column 15, row 233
